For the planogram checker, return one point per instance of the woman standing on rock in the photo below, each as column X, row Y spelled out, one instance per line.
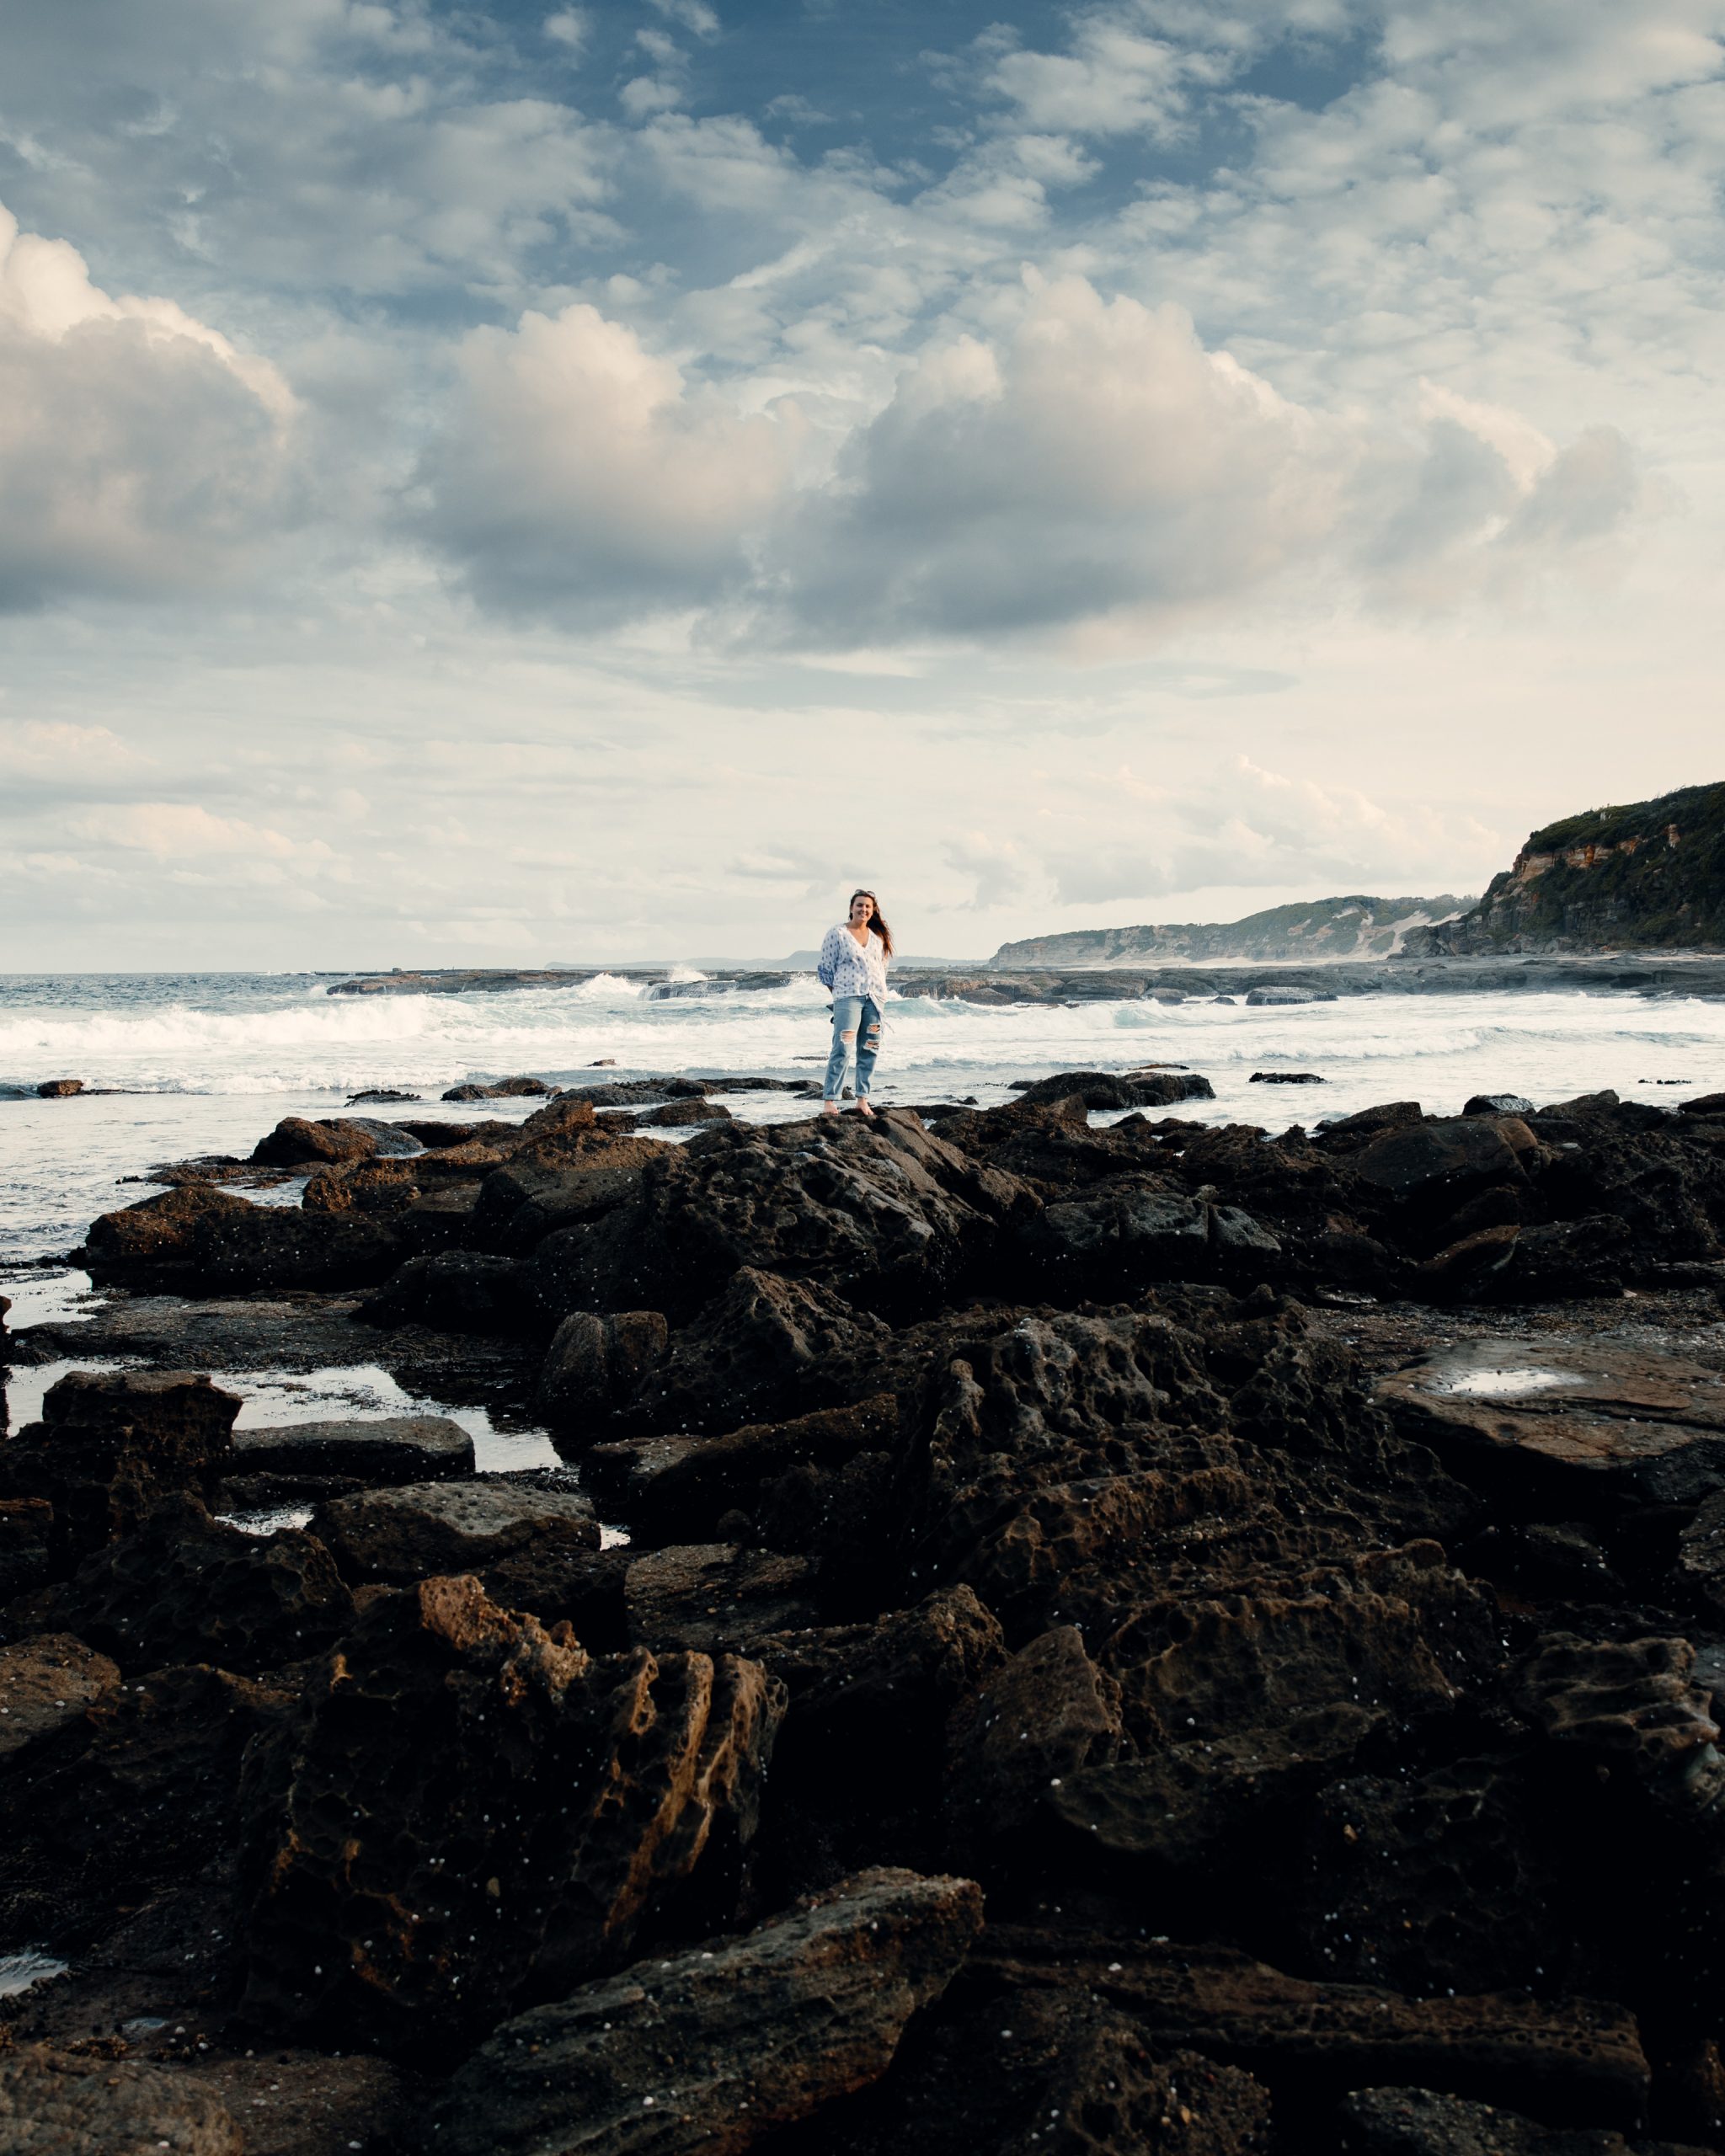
column 853, row 966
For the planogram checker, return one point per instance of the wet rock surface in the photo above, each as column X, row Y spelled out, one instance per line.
column 1241, row 1614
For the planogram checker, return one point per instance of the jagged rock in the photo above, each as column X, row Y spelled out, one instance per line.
column 46, row 1681
column 196, row 1240
column 59, row 1089
column 1446, row 1155
column 466, row 1807
column 1701, row 1555
column 401, row 1535
column 1049, row 1712
column 1498, row 1104
column 1633, row 1701
column 592, row 1366
column 186, row 1588
column 893, row 1215
column 1461, row 1879
column 764, row 1347
column 714, row 1596
column 26, row 1544
column 675, row 1489
column 521, row 1202
column 677, row 1115
column 57, row 2104
column 1704, row 1104
column 559, row 1582
column 138, row 1795
column 1563, row 1258
column 1113, row 1245
column 1103, row 1089
column 1468, row 1269
column 389, row 1449
column 111, row 1447
column 1565, row 1426
column 456, row 1291
column 970, row 2084
column 1568, row 2058
column 1184, row 1804
column 502, row 1089
column 723, row 2045
column 1417, row 2122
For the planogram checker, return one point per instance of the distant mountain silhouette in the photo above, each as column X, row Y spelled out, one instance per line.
column 1355, row 927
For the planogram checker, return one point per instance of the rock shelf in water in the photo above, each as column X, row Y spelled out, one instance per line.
column 1171, row 1637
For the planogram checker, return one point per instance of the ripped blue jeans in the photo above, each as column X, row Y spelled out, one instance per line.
column 856, row 1043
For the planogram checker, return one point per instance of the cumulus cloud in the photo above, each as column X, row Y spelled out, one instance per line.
column 180, row 830
column 141, row 454
column 582, row 475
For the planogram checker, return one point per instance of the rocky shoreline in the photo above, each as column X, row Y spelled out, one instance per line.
column 1245, row 981
column 1045, row 1638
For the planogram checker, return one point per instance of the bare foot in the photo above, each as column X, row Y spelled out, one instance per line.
column 863, row 1109
column 829, row 1107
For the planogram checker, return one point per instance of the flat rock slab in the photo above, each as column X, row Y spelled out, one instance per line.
column 287, row 1334
column 401, row 1535
column 714, row 1596
column 1567, row 1414
column 389, row 1449
column 712, row 2049
column 53, row 2104
column 1415, row 2122
column 1566, row 2058
column 46, row 1682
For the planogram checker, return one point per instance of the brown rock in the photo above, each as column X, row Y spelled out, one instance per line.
column 59, row 1089
column 389, row 1449
column 593, row 1364
column 54, row 2104
column 712, row 1596
column 1417, row 2122
column 295, row 1142
column 404, row 1535
column 1047, row 1713
column 46, row 1681
column 109, row 1448
column 467, row 1806
column 709, row 2051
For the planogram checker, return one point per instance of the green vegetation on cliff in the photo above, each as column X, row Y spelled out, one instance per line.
column 1647, row 875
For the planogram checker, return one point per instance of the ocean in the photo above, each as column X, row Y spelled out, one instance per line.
column 206, row 1063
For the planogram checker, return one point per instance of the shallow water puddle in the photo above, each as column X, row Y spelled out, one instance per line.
column 1506, row 1384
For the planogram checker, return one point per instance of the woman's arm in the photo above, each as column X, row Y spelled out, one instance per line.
column 828, row 962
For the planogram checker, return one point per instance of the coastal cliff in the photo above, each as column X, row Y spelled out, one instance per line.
column 1650, row 876
column 1352, row 928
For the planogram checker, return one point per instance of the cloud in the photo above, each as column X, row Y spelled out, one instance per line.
column 181, row 830
column 581, row 475
column 140, row 454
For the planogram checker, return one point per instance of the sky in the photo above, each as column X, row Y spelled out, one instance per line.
column 508, row 484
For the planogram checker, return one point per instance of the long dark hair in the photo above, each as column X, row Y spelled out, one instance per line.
column 877, row 920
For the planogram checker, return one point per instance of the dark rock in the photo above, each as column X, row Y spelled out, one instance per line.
column 402, row 1536
column 1498, row 1104
column 197, row 1239
column 1286, row 1078
column 390, row 1448
column 1570, row 1257
column 1115, row 1243
column 893, row 1216
column 963, row 2084
column 677, row 1114
column 1350, row 1132
column 186, row 1588
column 503, row 1089
column 558, row 1581
column 1700, row 1556
column 523, row 1202
column 56, row 2103
column 456, row 1291
column 380, row 1093
column 59, row 1089
column 1448, row 1156
column 593, row 1365
column 1048, row 1713
column 46, row 1681
column 808, row 2009
column 1107, row 1089
column 110, row 1448
column 1704, row 1104
column 714, row 1596
column 764, row 1347
column 1565, row 1428
column 296, row 1142
column 1466, row 1270
column 674, row 1489
column 1633, row 1702
column 136, row 1796
column 1417, row 2122
column 26, row 1544
column 467, row 1808
column 1278, row 995
column 1568, row 2058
